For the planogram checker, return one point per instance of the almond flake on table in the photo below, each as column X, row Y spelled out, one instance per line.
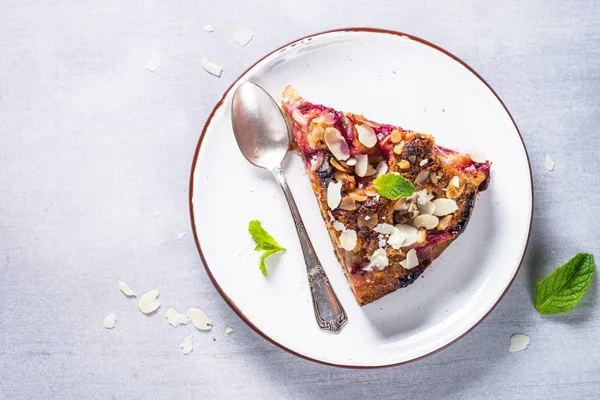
column 186, row 345
column 199, row 319
column 154, row 62
column 176, row 319
column 126, row 289
column 243, row 36
column 211, row 68
column 109, row 321
column 549, row 162
column 148, row 303
column 208, row 27
column 228, row 330
column 518, row 342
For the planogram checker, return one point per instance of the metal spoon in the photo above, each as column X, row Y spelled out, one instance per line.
column 263, row 137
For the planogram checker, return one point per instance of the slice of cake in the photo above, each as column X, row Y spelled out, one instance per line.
column 392, row 199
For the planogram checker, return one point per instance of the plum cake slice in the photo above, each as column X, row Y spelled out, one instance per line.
column 392, row 199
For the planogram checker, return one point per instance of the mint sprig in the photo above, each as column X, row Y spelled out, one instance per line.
column 565, row 286
column 265, row 242
column 393, row 186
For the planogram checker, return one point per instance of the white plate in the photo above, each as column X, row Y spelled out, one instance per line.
column 393, row 78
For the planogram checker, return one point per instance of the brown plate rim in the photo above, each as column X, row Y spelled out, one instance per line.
column 195, row 160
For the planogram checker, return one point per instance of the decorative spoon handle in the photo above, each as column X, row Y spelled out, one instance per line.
column 329, row 312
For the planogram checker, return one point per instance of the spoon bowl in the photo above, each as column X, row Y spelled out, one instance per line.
column 259, row 126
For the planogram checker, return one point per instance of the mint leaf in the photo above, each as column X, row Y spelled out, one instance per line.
column 263, row 257
column 565, row 286
column 393, row 186
column 264, row 241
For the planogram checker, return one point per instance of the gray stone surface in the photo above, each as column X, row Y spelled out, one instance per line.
column 92, row 145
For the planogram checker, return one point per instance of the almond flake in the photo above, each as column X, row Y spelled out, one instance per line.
column 408, row 234
column 228, row 330
column 385, row 229
column 518, row 342
column 411, row 260
column 422, row 177
column 348, row 239
column 378, row 259
column 362, row 164
column 382, row 168
column 199, row 319
column 336, row 144
column 549, row 162
column 444, row 207
column 423, row 162
column 338, row 226
column 334, row 194
column 455, row 181
column 211, row 68
column 366, row 135
column 243, row 36
column 175, row 319
column 370, row 171
column 154, row 62
column 109, row 321
column 208, row 27
column 427, row 221
column 351, row 161
column 427, row 208
column 298, row 117
column 148, row 303
column 125, row 289
column 186, row 345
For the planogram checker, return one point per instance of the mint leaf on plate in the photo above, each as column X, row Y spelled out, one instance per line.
column 565, row 286
column 393, row 186
column 264, row 241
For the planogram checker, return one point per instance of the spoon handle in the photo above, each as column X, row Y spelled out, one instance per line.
column 329, row 312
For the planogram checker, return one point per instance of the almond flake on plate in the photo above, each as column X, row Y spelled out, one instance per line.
column 211, row 68
column 148, row 303
column 199, row 319
column 549, row 162
column 126, row 289
column 109, row 321
column 366, row 135
column 518, row 342
column 243, row 36
column 208, row 27
column 154, row 62
column 228, row 330
column 186, row 345
column 334, row 194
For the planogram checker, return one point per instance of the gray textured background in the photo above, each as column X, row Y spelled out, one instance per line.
column 92, row 146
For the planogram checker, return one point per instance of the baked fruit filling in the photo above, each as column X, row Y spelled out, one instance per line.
column 382, row 243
